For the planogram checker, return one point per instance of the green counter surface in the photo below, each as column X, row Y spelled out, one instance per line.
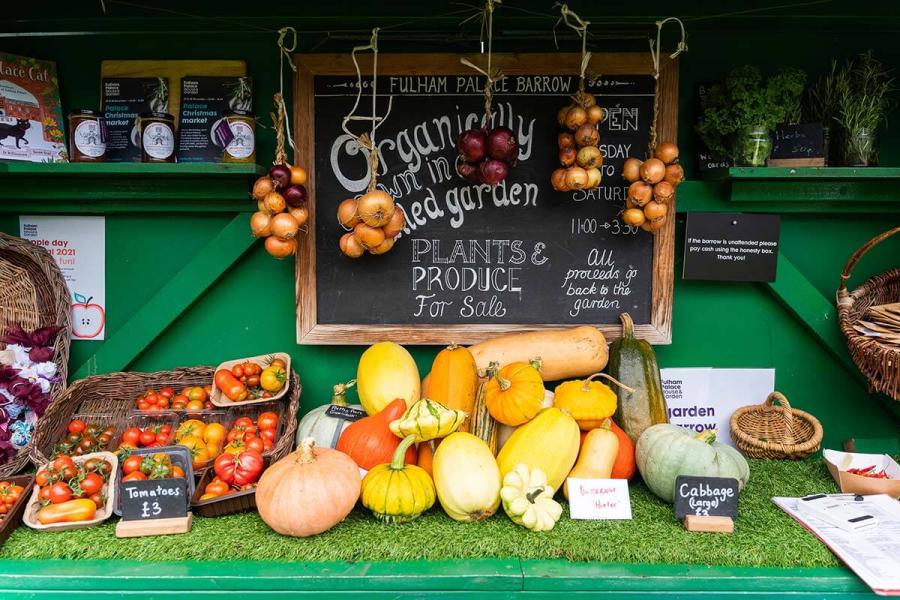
column 768, row 554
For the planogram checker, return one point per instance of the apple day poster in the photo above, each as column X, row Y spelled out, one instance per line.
column 78, row 245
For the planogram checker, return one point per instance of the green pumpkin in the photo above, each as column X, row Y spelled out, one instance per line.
column 666, row 451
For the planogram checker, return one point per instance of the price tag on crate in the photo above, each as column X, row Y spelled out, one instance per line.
column 154, row 507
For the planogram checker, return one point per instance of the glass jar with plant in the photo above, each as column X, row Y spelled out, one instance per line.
column 863, row 90
column 741, row 112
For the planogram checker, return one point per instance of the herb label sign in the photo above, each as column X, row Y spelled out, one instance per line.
column 599, row 499
column 706, row 497
column 154, row 499
column 345, row 413
column 475, row 260
column 805, row 140
column 731, row 246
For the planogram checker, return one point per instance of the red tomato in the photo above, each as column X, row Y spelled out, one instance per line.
column 62, row 462
column 167, row 392
column 97, row 499
column 77, row 426
column 42, row 478
column 177, row 471
column 131, row 436
column 267, row 445
column 267, row 420
column 44, row 494
column 91, row 484
column 135, row 476
column 217, row 487
column 255, row 443
column 268, row 435
column 162, row 438
column 147, row 437
column 132, row 464
column 180, row 399
column 237, row 371
column 59, row 493
column 253, row 381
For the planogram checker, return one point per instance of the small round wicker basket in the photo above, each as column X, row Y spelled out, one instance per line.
column 776, row 432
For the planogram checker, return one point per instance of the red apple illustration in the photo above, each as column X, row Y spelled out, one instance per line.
column 88, row 319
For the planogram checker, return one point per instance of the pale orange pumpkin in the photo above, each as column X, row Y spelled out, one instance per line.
column 309, row 491
column 453, row 381
column 516, row 393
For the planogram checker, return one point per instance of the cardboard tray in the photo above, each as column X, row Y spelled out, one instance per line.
column 111, row 488
column 850, row 483
column 180, row 455
column 219, row 399
column 14, row 517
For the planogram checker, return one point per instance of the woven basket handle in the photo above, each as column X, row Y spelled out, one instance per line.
column 787, row 412
column 848, row 269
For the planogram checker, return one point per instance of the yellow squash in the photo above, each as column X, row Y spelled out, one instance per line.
column 427, row 420
column 588, row 401
column 548, row 442
column 466, row 477
column 515, row 394
column 597, row 456
column 453, row 380
column 395, row 492
column 386, row 372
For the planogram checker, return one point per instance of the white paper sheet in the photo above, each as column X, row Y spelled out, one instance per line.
column 703, row 398
column 874, row 555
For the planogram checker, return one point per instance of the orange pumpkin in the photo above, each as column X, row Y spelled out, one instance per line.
column 370, row 441
column 309, row 491
column 453, row 380
column 516, row 393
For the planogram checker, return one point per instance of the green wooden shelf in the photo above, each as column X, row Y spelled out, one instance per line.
column 125, row 187
column 811, row 186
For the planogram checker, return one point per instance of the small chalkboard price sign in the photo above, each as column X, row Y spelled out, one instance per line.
column 474, row 261
column 801, row 145
column 154, row 507
column 707, row 503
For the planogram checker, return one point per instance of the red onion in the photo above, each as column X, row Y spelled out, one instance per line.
column 281, row 175
column 502, row 145
column 472, row 145
column 493, row 171
column 468, row 171
column 294, row 195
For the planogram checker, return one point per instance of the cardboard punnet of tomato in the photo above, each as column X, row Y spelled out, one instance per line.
column 73, row 492
column 251, row 380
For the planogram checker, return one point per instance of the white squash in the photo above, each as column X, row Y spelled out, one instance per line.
column 325, row 429
column 466, row 477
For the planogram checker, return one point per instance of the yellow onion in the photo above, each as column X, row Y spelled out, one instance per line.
column 567, row 156
column 284, row 226
column 383, row 247
column 558, row 180
column 280, row 248
column 301, row 213
column 667, row 152
column 576, row 178
column 274, row 202
column 565, row 140
column 395, row 225
column 369, row 237
column 634, row 216
column 663, row 191
column 595, row 114
column 375, row 208
column 674, row 174
column 589, row 157
column 575, row 118
column 594, row 177
column 654, row 210
column 587, row 135
column 261, row 224
column 641, row 192
column 631, row 170
column 262, row 187
column 346, row 214
column 350, row 246
column 653, row 170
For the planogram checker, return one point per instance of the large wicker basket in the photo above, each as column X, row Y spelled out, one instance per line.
column 114, row 393
column 33, row 294
column 879, row 362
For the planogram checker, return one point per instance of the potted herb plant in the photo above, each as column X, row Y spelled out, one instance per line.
column 862, row 89
column 742, row 111
column 821, row 106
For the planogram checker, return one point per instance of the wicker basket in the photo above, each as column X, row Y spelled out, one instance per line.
column 879, row 362
column 33, row 294
column 769, row 431
column 114, row 393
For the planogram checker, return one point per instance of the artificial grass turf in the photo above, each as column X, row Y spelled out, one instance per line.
column 764, row 535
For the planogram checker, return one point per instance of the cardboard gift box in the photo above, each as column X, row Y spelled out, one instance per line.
column 839, row 464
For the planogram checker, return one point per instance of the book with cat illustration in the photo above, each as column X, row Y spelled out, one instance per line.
column 31, row 120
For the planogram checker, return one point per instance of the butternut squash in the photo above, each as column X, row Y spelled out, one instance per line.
column 548, row 442
column 564, row 353
column 453, row 381
column 597, row 456
column 633, row 362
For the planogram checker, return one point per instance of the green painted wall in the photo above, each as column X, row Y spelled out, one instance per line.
column 250, row 310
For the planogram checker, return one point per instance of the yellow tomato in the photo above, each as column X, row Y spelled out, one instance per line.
column 214, row 433
column 234, row 448
column 190, row 428
column 214, row 449
column 197, row 393
column 272, row 379
column 208, row 496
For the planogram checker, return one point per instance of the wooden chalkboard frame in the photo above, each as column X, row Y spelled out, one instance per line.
column 310, row 331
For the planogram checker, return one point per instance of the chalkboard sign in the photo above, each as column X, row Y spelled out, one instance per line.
column 154, row 499
column 731, row 246
column 806, row 140
column 706, row 496
column 475, row 261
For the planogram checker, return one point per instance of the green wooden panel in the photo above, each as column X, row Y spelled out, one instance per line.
column 790, row 198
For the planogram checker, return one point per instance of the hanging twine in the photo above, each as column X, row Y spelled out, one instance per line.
column 366, row 141
column 580, row 26
column 280, row 116
column 654, row 54
column 491, row 75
